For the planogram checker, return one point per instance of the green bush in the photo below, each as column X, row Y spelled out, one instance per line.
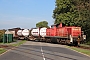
column 88, row 43
column 1, row 34
column 88, row 40
column 1, row 38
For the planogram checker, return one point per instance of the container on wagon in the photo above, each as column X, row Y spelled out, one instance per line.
column 35, row 32
column 43, row 32
column 19, row 32
column 25, row 32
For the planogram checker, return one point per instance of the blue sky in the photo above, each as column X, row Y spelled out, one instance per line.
column 25, row 13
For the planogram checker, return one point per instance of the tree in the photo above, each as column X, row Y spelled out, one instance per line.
column 42, row 24
column 83, row 7
column 65, row 12
column 1, row 34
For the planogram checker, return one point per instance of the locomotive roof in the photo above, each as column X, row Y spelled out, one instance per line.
column 58, row 24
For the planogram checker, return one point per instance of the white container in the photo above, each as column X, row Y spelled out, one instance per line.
column 35, row 32
column 43, row 32
column 25, row 32
column 19, row 32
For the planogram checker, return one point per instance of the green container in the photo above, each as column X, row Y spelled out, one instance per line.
column 8, row 38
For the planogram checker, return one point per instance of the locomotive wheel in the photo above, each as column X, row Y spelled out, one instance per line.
column 58, row 40
column 48, row 40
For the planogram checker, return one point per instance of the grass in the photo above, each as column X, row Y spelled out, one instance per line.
column 14, row 44
column 19, row 43
column 85, row 51
column 84, row 45
column 88, row 43
column 2, row 50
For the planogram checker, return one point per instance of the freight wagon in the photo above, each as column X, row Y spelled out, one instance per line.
column 37, row 34
column 14, row 32
column 23, row 34
column 19, row 33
